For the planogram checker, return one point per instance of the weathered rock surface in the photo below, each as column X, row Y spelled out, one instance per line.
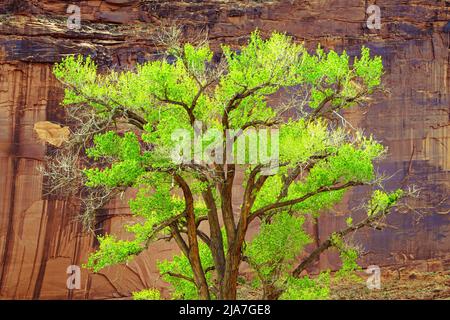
column 40, row 237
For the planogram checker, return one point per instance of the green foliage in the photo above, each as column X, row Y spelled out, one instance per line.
column 110, row 144
column 169, row 95
column 147, row 294
column 112, row 251
column 381, row 200
column 277, row 244
column 301, row 140
column 349, row 221
column 307, row 288
column 125, row 156
column 157, row 204
column 348, row 255
column 182, row 288
column 347, row 161
column 369, row 69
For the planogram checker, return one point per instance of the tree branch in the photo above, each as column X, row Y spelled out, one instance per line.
column 179, row 103
column 179, row 239
column 322, row 189
column 181, row 276
column 194, row 254
column 290, row 178
column 167, row 223
column 237, row 98
column 328, row 243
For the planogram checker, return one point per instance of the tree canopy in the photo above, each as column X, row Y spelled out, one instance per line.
column 124, row 123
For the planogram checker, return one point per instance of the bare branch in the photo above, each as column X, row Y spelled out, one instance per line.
column 179, row 275
column 369, row 221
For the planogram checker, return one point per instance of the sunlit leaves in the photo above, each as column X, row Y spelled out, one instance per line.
column 277, row 243
column 196, row 58
column 266, row 64
column 122, row 173
column 112, row 251
column 306, row 288
column 382, row 200
column 299, row 141
column 325, row 158
column 110, row 144
column 147, row 294
column 172, row 96
column 369, row 69
column 179, row 265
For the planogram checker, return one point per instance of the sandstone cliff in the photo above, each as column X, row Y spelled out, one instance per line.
column 40, row 236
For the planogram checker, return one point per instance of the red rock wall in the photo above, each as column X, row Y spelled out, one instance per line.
column 40, row 237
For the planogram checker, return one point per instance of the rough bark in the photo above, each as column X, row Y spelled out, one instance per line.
column 193, row 251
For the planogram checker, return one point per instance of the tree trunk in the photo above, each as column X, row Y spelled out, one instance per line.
column 229, row 285
column 270, row 292
column 227, row 206
column 216, row 243
column 193, row 253
column 233, row 260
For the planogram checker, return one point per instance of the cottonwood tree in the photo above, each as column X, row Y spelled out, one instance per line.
column 123, row 137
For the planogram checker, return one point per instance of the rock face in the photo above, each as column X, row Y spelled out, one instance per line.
column 40, row 237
